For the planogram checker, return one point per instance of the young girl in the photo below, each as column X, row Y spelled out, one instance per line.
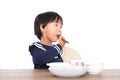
column 47, row 28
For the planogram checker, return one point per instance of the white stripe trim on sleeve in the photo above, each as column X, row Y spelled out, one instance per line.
column 58, row 49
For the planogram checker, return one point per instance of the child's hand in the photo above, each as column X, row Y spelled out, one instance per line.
column 62, row 41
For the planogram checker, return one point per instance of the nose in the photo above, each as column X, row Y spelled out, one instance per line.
column 60, row 29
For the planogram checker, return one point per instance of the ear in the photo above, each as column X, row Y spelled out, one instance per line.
column 41, row 28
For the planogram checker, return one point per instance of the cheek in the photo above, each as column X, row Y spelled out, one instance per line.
column 51, row 34
column 51, row 31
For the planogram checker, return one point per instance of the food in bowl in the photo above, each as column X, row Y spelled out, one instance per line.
column 77, row 62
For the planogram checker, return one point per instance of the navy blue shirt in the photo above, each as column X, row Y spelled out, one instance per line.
column 43, row 54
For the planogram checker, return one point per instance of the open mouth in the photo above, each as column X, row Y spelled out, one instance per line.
column 58, row 36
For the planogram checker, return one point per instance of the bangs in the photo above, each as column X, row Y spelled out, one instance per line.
column 57, row 19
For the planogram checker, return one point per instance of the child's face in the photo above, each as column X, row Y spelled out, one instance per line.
column 53, row 31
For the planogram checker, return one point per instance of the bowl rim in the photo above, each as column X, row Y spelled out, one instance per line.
column 54, row 63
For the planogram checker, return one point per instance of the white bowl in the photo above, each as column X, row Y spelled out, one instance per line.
column 66, row 70
column 95, row 68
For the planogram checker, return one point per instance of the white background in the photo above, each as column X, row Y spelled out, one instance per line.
column 91, row 26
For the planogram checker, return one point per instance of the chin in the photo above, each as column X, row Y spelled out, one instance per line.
column 55, row 40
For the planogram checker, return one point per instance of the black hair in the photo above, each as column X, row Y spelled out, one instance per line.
column 43, row 19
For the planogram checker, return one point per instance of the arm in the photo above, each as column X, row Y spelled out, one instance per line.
column 59, row 48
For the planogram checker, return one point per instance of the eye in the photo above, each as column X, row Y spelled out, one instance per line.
column 56, row 24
